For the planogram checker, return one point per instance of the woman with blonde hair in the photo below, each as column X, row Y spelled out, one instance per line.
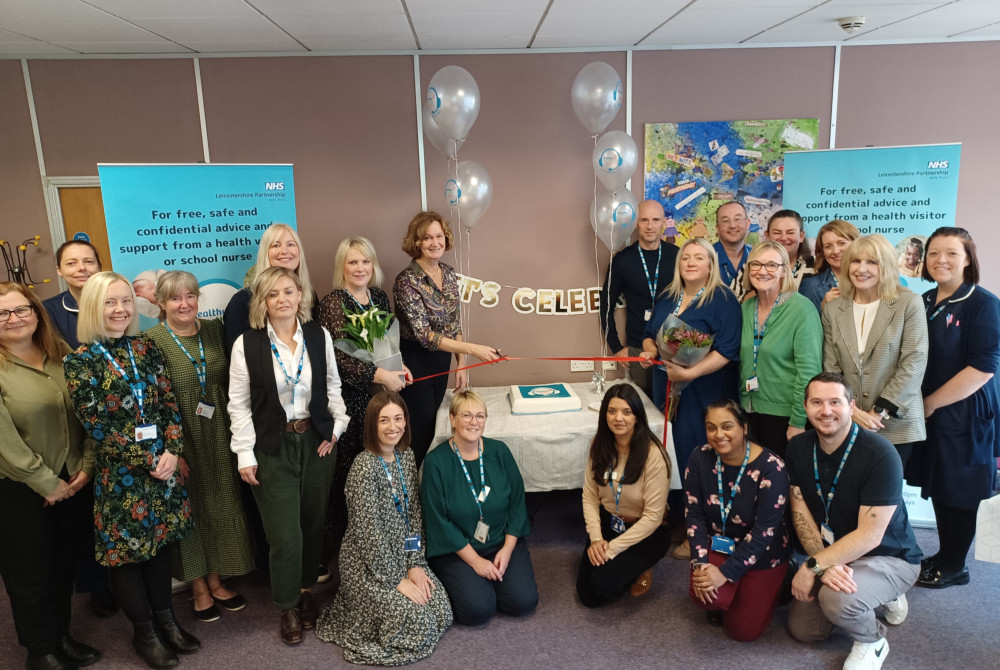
column 875, row 334
column 287, row 414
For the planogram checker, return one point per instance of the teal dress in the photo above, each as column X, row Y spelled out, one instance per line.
column 220, row 541
column 135, row 514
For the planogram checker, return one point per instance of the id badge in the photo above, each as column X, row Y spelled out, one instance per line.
column 146, row 431
column 411, row 543
column 723, row 545
column 617, row 524
column 482, row 494
column 205, row 410
column 827, row 533
column 647, row 315
column 482, row 531
column 752, row 384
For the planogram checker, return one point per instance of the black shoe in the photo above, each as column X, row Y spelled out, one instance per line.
column 47, row 662
column 936, row 580
column 234, row 604
column 77, row 653
column 151, row 648
column 927, row 567
column 182, row 641
column 103, row 605
column 714, row 617
column 308, row 611
column 207, row 615
column 324, row 575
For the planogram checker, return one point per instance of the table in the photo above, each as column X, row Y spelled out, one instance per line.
column 550, row 449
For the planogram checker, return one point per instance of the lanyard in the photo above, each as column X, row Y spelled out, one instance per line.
column 200, row 368
column 828, row 500
column 404, row 507
column 725, row 509
column 758, row 330
column 360, row 306
column 482, row 475
column 656, row 276
column 298, row 375
column 137, row 386
column 617, row 493
column 677, row 310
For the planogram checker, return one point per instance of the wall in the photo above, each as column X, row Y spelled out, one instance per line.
column 348, row 124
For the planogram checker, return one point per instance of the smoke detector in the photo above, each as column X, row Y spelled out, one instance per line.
column 851, row 24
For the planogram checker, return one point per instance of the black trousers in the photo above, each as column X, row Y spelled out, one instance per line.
column 474, row 599
column 423, row 398
column 38, row 550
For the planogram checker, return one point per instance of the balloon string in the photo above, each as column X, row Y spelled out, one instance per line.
column 616, row 359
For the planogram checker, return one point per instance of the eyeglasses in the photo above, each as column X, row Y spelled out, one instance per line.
column 469, row 417
column 22, row 312
column 770, row 267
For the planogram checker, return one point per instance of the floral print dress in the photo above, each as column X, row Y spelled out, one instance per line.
column 135, row 514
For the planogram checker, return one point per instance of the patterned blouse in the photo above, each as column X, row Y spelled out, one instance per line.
column 425, row 312
column 756, row 520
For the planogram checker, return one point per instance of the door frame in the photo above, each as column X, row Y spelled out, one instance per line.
column 57, row 228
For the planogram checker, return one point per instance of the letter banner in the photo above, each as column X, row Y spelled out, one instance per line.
column 205, row 219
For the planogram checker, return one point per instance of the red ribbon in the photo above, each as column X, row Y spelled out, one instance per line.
column 617, row 359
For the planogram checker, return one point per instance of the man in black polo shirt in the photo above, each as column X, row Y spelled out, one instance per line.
column 639, row 271
column 848, row 512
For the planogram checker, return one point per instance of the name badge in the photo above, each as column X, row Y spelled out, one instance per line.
column 617, row 524
column 723, row 545
column 827, row 533
column 482, row 531
column 205, row 410
column 146, row 431
column 482, row 494
column 411, row 543
column 752, row 384
column 647, row 315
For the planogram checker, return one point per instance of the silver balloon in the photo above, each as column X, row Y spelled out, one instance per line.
column 615, row 159
column 437, row 137
column 613, row 217
column 470, row 192
column 597, row 96
column 453, row 101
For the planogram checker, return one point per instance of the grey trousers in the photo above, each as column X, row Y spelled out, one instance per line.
column 643, row 377
column 880, row 579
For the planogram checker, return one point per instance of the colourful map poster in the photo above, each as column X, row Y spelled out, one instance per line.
column 692, row 168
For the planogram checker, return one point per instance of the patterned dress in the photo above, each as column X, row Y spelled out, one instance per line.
column 369, row 618
column 134, row 513
column 220, row 541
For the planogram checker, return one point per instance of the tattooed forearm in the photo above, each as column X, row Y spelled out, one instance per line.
column 808, row 533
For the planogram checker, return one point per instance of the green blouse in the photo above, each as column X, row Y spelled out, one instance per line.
column 450, row 510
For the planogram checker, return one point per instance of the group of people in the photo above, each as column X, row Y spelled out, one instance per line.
column 842, row 348
column 153, row 440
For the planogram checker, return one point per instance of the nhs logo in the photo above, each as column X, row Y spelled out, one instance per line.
column 937, row 165
column 280, row 185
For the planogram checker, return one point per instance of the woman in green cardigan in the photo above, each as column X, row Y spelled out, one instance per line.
column 475, row 518
column 780, row 351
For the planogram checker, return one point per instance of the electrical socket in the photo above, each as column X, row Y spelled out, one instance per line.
column 581, row 366
column 610, row 365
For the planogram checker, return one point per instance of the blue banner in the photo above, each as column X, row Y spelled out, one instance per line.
column 205, row 219
column 901, row 193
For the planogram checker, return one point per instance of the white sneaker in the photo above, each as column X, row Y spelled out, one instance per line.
column 896, row 610
column 867, row 655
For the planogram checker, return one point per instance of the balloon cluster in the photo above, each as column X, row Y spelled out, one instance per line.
column 450, row 109
column 596, row 98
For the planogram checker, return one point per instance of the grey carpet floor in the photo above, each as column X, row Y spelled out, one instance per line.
column 956, row 628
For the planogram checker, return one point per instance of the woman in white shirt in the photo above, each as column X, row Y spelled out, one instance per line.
column 287, row 413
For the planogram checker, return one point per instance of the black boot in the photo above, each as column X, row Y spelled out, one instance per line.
column 151, row 648
column 47, row 662
column 182, row 641
column 81, row 655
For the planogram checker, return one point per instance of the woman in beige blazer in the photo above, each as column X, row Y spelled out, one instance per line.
column 875, row 334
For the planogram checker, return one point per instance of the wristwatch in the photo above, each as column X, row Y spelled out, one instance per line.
column 814, row 566
column 882, row 412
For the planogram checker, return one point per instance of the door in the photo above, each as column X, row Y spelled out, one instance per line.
column 83, row 212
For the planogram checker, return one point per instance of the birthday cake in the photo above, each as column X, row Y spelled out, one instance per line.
column 543, row 399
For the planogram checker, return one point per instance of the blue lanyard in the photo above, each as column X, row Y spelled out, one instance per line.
column 360, row 306
column 298, row 375
column 656, row 277
column 617, row 493
column 677, row 310
column 828, row 500
column 482, row 475
column 725, row 509
column 758, row 330
column 202, row 368
column 137, row 386
column 404, row 507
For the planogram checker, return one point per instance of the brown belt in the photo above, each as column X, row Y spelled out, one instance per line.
column 299, row 426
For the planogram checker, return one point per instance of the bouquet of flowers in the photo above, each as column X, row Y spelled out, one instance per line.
column 683, row 345
column 372, row 337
